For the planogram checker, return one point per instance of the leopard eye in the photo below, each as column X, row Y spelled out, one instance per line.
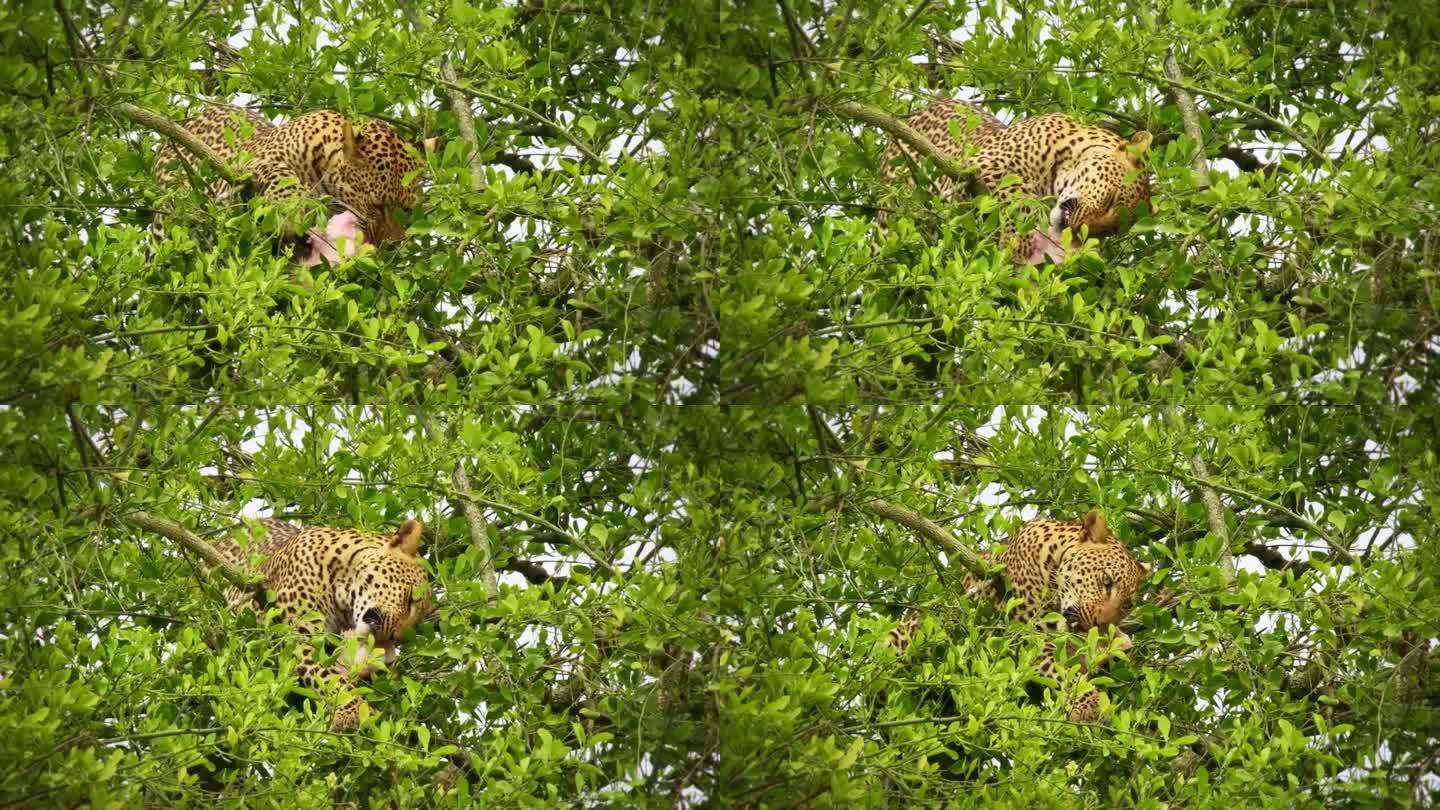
column 1109, row 583
column 372, row 617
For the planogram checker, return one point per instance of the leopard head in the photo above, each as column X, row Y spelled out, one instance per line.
column 1097, row 579
column 389, row 590
column 1101, row 188
column 379, row 175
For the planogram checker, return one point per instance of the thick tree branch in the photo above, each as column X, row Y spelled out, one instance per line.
column 1298, row 521
column 1289, row 131
column 164, row 126
column 174, row 531
column 1214, row 512
column 464, row 119
column 1274, row 560
column 1242, row 159
column 931, row 530
column 1190, row 119
column 78, row 46
column 474, row 518
column 517, row 163
column 951, row 167
column 542, row 522
column 534, row 572
column 912, row 520
column 799, row 41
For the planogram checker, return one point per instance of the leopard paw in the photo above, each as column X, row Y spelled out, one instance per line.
column 1085, row 708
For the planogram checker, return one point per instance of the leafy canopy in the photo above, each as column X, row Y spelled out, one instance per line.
column 648, row 315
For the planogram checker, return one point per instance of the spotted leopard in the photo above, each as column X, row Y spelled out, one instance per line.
column 364, row 586
column 1096, row 178
column 1075, row 569
column 369, row 170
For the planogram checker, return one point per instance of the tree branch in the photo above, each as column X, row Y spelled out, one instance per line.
column 174, row 531
column 951, row 167
column 464, row 119
column 1271, row 120
column 78, row 46
column 1214, row 512
column 800, row 42
column 1190, row 119
column 933, row 531
column 1242, row 159
column 533, row 572
column 1300, row 521
column 539, row 521
column 474, row 518
column 175, row 132
column 1274, row 560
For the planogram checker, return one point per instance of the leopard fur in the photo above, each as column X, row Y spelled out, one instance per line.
column 1097, row 178
column 368, row 170
column 1075, row 569
column 364, row 586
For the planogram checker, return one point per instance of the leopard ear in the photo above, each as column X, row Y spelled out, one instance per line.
column 407, row 538
column 1137, row 146
column 348, row 139
column 1095, row 529
column 430, row 146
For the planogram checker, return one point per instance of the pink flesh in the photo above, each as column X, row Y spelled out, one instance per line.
column 1038, row 245
column 342, row 233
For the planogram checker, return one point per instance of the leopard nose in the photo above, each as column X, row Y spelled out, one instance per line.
column 1072, row 617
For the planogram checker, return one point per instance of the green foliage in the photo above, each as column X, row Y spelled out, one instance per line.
column 674, row 356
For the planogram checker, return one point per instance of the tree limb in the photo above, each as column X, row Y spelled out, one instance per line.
column 1214, row 512
column 164, row 126
column 534, row 572
column 464, row 119
column 174, row 531
column 539, row 521
column 1274, row 560
column 1271, row 120
column 474, row 518
column 933, row 531
column 1242, row 159
column 1300, row 521
column 1190, row 119
column 78, row 46
column 911, row 136
column 800, row 42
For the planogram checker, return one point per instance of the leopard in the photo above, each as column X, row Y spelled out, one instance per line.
column 363, row 586
column 368, row 170
column 1098, row 179
column 1076, row 569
